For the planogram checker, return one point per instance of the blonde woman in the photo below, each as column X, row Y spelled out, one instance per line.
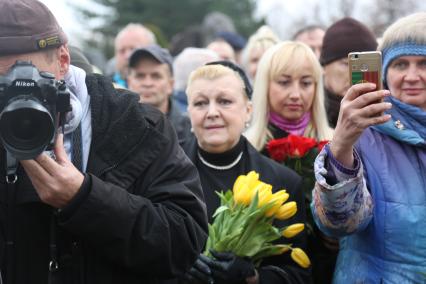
column 219, row 108
column 288, row 99
column 288, row 96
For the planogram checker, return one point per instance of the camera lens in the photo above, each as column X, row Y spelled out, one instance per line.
column 26, row 128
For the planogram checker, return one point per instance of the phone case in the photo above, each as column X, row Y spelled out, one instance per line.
column 366, row 67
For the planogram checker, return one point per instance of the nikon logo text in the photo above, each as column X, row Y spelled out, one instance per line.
column 24, row 84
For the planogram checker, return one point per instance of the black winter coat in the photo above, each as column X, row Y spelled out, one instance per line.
column 278, row 269
column 140, row 219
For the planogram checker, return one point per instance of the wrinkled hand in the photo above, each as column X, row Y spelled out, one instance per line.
column 229, row 268
column 56, row 181
column 360, row 108
column 200, row 272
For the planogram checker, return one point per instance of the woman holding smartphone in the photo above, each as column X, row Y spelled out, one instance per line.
column 371, row 178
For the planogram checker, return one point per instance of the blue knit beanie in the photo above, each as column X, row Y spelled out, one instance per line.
column 400, row 49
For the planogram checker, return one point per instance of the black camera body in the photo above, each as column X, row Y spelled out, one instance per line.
column 31, row 104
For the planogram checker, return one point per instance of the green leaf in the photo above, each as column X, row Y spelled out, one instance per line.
column 267, row 251
column 220, row 210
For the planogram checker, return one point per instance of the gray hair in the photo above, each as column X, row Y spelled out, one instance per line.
column 137, row 27
column 407, row 29
column 187, row 61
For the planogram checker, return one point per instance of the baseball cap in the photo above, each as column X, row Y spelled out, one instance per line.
column 28, row 26
column 235, row 40
column 160, row 54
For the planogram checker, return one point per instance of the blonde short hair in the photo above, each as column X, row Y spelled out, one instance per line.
column 285, row 58
column 212, row 72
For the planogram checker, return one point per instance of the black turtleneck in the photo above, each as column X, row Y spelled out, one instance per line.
column 332, row 107
column 219, row 180
column 225, row 158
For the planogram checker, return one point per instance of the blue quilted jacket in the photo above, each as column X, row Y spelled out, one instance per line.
column 378, row 213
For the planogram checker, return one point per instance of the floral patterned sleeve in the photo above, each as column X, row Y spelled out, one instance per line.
column 341, row 203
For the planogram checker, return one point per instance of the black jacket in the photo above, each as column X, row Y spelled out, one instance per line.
column 180, row 122
column 279, row 269
column 140, row 217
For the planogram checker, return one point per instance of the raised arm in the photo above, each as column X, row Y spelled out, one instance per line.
column 341, row 201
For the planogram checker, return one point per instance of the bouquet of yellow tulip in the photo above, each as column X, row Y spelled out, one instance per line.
column 243, row 223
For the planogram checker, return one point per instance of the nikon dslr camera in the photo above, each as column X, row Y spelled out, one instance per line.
column 32, row 103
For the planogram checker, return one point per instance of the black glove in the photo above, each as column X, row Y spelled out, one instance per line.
column 200, row 272
column 227, row 268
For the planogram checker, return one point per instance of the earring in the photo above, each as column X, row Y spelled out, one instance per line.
column 247, row 124
column 192, row 130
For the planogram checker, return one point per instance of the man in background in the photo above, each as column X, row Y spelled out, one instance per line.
column 223, row 49
column 344, row 36
column 128, row 39
column 184, row 63
column 312, row 36
column 151, row 77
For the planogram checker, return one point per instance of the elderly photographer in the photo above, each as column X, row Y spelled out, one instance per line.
column 117, row 201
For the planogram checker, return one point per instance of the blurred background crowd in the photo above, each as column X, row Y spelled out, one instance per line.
column 93, row 24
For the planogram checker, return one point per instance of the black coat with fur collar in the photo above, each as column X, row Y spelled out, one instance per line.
column 140, row 217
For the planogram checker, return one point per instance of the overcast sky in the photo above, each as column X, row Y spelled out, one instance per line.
column 279, row 14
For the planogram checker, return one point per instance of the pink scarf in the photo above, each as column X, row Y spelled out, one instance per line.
column 295, row 127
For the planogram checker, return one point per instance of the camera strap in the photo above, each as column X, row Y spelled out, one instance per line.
column 77, row 149
column 76, row 155
column 11, row 179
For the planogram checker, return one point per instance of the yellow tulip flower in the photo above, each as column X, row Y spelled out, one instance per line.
column 240, row 194
column 282, row 193
column 300, row 257
column 252, row 178
column 293, row 230
column 286, row 211
column 238, row 183
column 247, row 195
column 265, row 195
column 277, row 200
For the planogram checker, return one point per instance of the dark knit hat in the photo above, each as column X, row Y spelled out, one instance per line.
column 344, row 36
column 28, row 26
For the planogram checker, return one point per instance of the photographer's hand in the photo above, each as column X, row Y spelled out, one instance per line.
column 56, row 181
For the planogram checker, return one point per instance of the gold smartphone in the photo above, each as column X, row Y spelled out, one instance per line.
column 366, row 67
